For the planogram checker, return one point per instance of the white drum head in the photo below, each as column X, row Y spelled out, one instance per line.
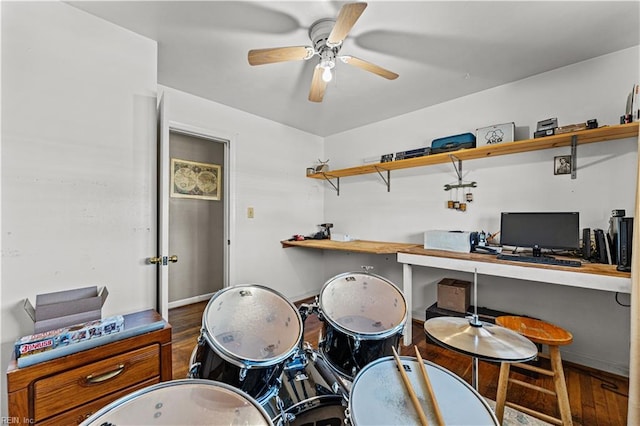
column 378, row 396
column 363, row 304
column 253, row 324
column 183, row 402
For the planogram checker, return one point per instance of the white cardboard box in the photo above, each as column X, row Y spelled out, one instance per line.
column 459, row 241
column 65, row 308
column 497, row 133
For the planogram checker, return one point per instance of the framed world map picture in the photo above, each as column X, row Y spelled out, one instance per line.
column 190, row 179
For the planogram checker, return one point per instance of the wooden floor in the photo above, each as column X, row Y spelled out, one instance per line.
column 596, row 397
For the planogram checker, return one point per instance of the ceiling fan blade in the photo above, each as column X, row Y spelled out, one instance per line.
column 318, row 85
column 279, row 54
column 347, row 17
column 368, row 66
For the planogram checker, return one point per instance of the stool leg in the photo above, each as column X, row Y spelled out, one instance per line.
column 561, row 385
column 501, row 396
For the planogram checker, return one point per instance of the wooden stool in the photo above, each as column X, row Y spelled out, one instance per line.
column 543, row 333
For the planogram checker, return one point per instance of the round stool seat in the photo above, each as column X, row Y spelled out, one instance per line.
column 535, row 330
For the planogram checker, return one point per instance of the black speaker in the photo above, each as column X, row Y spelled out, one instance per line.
column 601, row 246
column 625, row 242
column 586, row 243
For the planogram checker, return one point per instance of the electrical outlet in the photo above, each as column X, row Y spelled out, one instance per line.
column 250, row 212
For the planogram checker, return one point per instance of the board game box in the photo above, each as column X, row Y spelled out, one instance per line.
column 65, row 336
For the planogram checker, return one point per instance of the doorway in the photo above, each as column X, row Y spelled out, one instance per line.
column 206, row 243
column 196, row 222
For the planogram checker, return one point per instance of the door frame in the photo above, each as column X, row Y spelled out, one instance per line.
column 228, row 190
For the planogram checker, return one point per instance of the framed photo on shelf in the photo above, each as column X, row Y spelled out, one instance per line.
column 562, row 165
column 190, row 179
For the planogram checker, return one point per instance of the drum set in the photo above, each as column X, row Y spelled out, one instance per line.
column 251, row 366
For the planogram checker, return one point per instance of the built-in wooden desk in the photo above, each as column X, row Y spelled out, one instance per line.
column 593, row 276
column 589, row 275
column 358, row 246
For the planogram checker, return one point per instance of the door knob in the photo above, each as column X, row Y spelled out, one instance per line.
column 163, row 259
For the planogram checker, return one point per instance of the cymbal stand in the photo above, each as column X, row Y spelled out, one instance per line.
column 475, row 322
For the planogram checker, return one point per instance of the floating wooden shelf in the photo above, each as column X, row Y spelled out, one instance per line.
column 358, row 246
column 601, row 134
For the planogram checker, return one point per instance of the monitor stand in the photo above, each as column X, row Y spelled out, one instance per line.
column 537, row 251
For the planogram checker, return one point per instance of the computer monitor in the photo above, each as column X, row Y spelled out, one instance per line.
column 541, row 230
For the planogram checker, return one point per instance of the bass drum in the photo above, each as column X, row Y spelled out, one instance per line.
column 379, row 396
column 248, row 332
column 311, row 393
column 182, row 402
column 363, row 318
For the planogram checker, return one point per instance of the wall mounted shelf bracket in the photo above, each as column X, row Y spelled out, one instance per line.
column 458, row 170
column 387, row 181
column 336, row 186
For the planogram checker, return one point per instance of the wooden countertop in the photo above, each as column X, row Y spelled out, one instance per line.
column 359, row 246
column 586, row 268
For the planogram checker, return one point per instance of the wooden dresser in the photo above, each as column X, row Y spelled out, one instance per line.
column 66, row 390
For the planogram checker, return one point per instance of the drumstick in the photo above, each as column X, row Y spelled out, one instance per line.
column 432, row 395
column 412, row 394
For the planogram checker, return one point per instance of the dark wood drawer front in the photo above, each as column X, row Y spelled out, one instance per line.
column 79, row 414
column 77, row 386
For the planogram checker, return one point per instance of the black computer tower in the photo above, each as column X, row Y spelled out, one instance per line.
column 625, row 243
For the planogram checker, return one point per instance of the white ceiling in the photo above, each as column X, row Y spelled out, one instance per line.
column 441, row 49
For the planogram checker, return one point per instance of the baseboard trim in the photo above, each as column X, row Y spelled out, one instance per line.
column 190, row 300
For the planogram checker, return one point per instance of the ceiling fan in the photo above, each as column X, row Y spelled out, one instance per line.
column 326, row 37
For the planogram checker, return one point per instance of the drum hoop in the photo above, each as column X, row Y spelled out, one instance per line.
column 483, row 402
column 171, row 383
column 233, row 358
column 363, row 336
column 316, row 400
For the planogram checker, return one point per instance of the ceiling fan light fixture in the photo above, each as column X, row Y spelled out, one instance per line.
column 327, row 36
column 326, row 74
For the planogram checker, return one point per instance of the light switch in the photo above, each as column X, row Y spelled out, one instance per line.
column 250, row 212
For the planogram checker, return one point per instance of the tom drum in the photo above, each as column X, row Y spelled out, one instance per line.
column 248, row 333
column 363, row 317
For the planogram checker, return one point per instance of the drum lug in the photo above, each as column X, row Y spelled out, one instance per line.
column 285, row 418
column 201, row 339
column 243, row 374
column 193, row 370
column 347, row 416
column 356, row 344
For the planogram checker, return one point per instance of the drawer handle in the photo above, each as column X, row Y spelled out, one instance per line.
column 105, row 376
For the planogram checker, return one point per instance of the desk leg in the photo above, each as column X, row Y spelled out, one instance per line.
column 407, row 288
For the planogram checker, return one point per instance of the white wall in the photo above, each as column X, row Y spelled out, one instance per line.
column 78, row 178
column 78, row 161
column 522, row 182
column 268, row 162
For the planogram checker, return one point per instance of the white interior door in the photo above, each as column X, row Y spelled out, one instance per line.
column 164, row 179
column 164, row 258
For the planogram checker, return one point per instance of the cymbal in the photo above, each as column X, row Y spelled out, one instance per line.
column 486, row 341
